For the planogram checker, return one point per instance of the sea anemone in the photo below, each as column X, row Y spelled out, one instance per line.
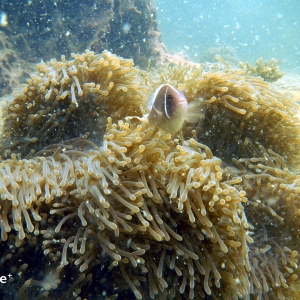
column 132, row 211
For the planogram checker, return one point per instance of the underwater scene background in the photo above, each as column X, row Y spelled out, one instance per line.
column 250, row 28
column 149, row 149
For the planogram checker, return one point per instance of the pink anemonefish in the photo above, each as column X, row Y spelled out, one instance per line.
column 169, row 108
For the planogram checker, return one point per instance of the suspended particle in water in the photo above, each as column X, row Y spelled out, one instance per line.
column 3, row 19
column 126, row 27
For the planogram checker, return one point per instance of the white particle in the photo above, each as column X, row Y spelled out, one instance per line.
column 126, row 28
column 3, row 19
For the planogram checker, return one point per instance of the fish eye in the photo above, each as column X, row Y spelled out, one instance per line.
column 170, row 98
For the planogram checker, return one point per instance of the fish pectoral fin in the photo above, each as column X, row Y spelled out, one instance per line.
column 143, row 119
column 196, row 111
column 157, row 113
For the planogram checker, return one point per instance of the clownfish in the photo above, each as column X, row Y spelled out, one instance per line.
column 169, row 108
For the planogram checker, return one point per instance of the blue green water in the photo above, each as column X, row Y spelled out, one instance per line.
column 266, row 28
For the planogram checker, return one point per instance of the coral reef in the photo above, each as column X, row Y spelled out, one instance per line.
column 130, row 211
column 43, row 29
column 268, row 70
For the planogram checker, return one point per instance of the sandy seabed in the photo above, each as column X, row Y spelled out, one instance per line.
column 289, row 85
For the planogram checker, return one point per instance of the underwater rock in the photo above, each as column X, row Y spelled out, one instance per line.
column 43, row 29
column 12, row 69
column 134, row 212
